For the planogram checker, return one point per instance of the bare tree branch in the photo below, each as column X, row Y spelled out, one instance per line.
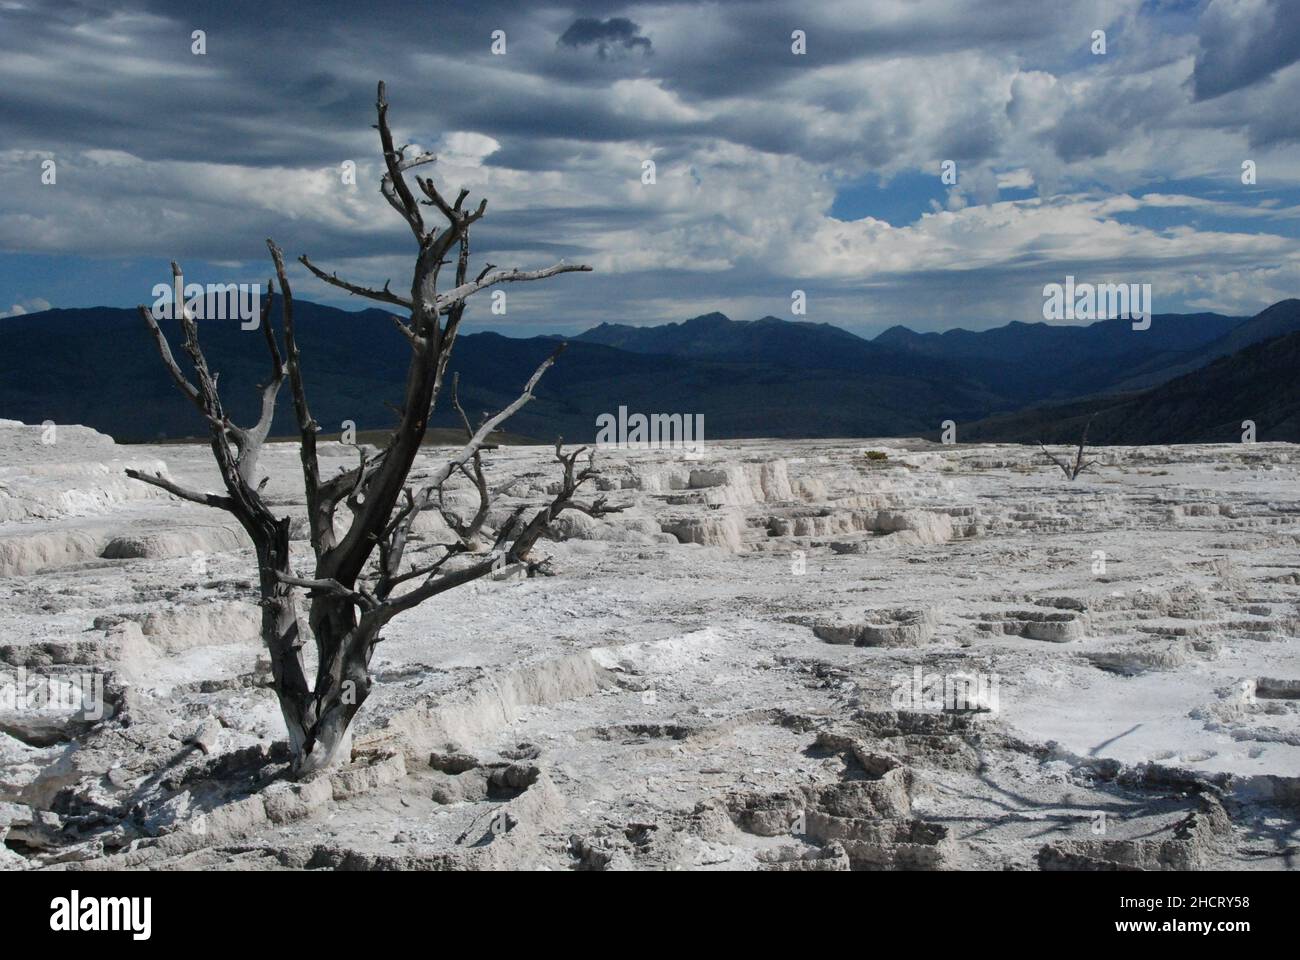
column 1065, row 467
column 406, row 331
column 393, row 184
column 169, row 361
column 158, row 480
column 255, row 437
column 321, row 527
column 468, row 531
column 491, row 423
column 465, row 291
column 359, row 597
column 518, row 552
column 383, row 296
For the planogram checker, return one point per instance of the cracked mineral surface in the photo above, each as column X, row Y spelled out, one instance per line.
column 782, row 655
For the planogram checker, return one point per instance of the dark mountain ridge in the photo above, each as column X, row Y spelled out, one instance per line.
column 1209, row 405
column 767, row 377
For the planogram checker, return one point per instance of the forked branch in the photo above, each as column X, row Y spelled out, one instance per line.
column 1072, row 470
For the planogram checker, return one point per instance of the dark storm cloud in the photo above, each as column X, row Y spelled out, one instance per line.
column 974, row 138
column 1244, row 43
column 605, row 35
column 278, row 86
column 1084, row 138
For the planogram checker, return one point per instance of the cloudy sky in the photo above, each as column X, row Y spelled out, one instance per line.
column 775, row 170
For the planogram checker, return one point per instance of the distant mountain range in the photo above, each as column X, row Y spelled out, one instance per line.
column 767, row 377
column 1034, row 361
column 1209, row 404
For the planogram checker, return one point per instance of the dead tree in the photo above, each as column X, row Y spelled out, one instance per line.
column 362, row 579
column 1072, row 470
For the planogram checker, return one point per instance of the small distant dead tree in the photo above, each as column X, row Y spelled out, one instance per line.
column 1072, row 470
column 362, row 580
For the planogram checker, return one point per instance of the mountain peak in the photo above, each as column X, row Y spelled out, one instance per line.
column 897, row 334
column 1288, row 307
column 770, row 340
column 714, row 319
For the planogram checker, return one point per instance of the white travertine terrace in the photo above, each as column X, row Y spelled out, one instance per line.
column 712, row 678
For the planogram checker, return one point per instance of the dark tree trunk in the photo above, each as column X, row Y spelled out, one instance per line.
column 282, row 635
